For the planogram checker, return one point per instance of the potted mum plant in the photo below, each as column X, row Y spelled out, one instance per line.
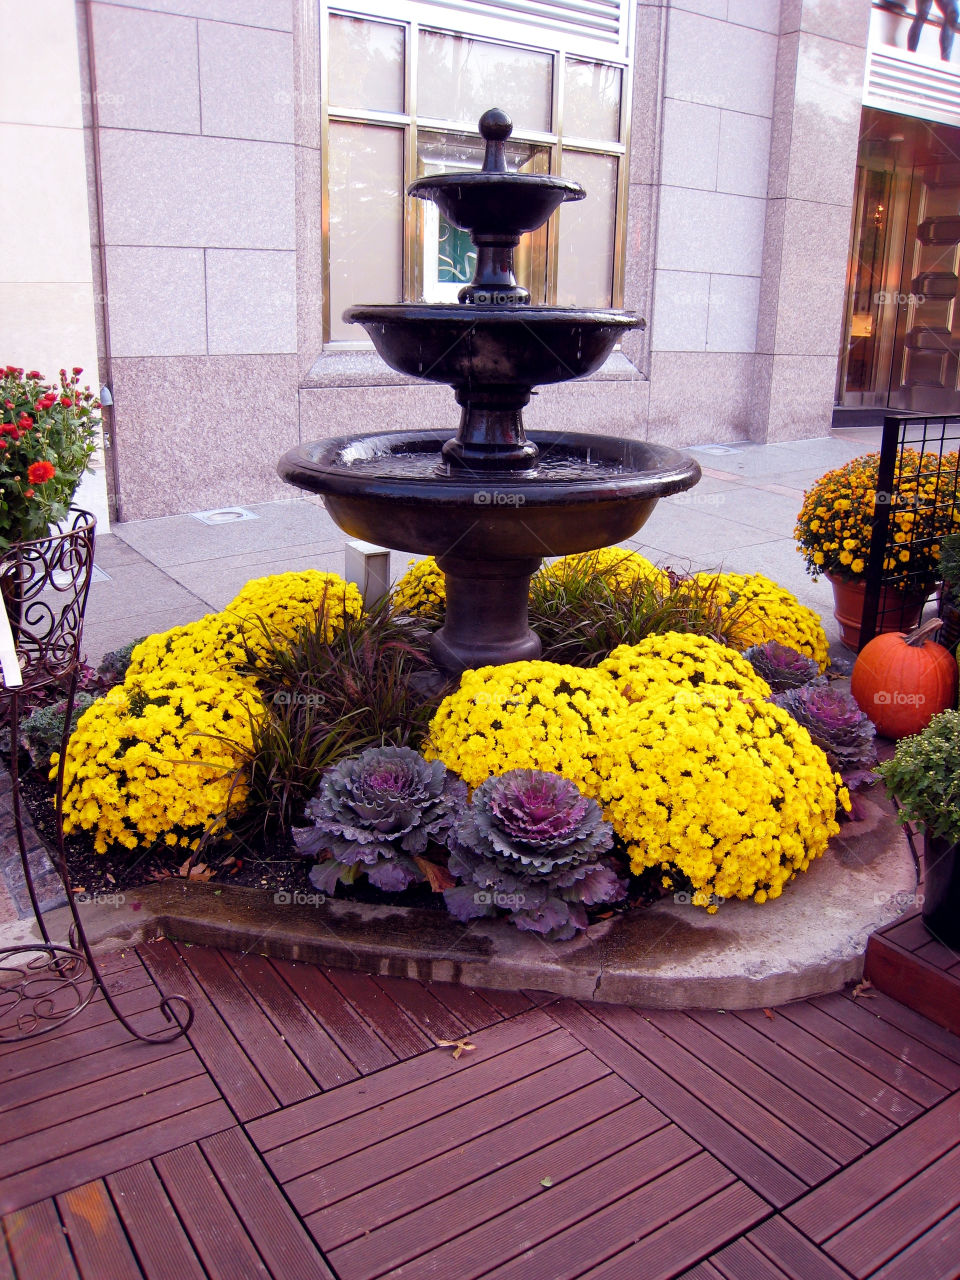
column 924, row 778
column 835, row 525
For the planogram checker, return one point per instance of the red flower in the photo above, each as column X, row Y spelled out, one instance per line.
column 66, row 400
column 8, row 429
column 28, row 493
column 34, row 373
column 24, row 422
column 41, row 472
column 12, row 368
column 77, row 368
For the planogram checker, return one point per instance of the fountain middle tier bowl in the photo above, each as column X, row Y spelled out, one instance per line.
column 518, row 345
column 587, row 491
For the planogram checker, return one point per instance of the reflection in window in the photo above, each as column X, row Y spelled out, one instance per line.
column 366, row 64
column 460, row 78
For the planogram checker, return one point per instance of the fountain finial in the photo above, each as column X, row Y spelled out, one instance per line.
column 495, row 128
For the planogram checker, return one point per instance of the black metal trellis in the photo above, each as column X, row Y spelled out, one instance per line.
column 44, row 586
column 894, row 584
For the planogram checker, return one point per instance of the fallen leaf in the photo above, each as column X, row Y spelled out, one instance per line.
column 864, row 988
column 458, row 1046
column 768, row 1013
column 438, row 878
column 546, row 1182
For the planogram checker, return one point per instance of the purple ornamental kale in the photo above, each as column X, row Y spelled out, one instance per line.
column 782, row 668
column 835, row 723
column 530, row 843
column 376, row 813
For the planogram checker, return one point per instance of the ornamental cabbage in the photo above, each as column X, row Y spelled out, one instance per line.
column 376, row 814
column 835, row 723
column 531, row 843
column 782, row 667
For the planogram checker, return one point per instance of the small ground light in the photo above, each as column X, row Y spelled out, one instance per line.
column 224, row 515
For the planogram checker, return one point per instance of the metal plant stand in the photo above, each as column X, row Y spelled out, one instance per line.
column 44, row 586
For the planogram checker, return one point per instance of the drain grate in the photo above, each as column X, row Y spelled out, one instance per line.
column 224, row 515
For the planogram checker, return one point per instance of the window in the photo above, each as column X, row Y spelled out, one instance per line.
column 401, row 95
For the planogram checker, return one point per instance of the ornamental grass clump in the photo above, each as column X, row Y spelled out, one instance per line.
column 733, row 800
column 782, row 667
column 378, row 815
column 835, row 723
column 531, row 844
column 158, row 760
column 524, row 715
column 835, row 523
column 766, row 611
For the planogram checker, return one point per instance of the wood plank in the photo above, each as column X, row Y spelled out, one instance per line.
column 319, row 1052
column 37, row 1244
column 98, row 1160
column 506, row 1003
column 937, row 954
column 274, row 1229
column 399, row 1032
column 933, row 1256
column 416, row 1189
column 914, row 1024
column 279, row 1067
column 769, row 1091
column 823, row 1058
column 218, row 1235
column 829, row 1208
column 891, row 1225
column 864, row 1018
column 908, row 932
column 358, row 1040
column 798, row 1258
column 236, row 1076
column 94, row 1029
column 705, row 1271
column 503, row 1185
column 858, row 1048
column 684, row 1240
column 914, row 982
column 30, row 1120
column 573, row 1246
column 842, row 1107
column 327, row 1166
column 83, row 1070
column 353, row 1099
column 470, row 1006
column 742, row 1258
column 654, row 1170
column 6, row 1265
column 162, row 1245
column 95, row 1233
column 748, row 1161
column 421, row 1006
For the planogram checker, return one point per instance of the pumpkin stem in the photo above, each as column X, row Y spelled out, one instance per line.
column 919, row 634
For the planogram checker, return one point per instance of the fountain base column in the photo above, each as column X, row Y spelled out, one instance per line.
column 487, row 621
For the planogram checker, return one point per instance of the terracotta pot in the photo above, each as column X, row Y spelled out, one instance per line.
column 899, row 610
column 941, row 889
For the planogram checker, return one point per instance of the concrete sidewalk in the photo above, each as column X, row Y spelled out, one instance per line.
column 155, row 574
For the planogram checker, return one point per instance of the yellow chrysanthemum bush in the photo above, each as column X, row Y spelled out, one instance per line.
column 835, row 523
column 731, row 799
column 155, row 760
column 162, row 757
column 682, row 660
column 421, row 591
column 766, row 611
column 524, row 715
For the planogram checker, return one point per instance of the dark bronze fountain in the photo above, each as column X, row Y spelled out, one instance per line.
column 490, row 503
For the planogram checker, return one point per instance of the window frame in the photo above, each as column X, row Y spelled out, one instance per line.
column 413, row 16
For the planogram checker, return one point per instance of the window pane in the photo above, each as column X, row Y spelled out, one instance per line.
column 366, row 220
column 587, row 232
column 366, row 64
column 459, row 79
column 591, row 101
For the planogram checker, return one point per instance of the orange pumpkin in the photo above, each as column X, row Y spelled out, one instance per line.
column 901, row 680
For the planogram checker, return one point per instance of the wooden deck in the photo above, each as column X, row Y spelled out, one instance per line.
column 904, row 961
column 310, row 1128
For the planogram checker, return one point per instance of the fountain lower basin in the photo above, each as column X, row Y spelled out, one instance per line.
column 488, row 530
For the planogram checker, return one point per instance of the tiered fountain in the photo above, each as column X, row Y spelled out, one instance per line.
column 490, row 503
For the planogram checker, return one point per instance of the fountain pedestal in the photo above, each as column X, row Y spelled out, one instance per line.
column 486, row 620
